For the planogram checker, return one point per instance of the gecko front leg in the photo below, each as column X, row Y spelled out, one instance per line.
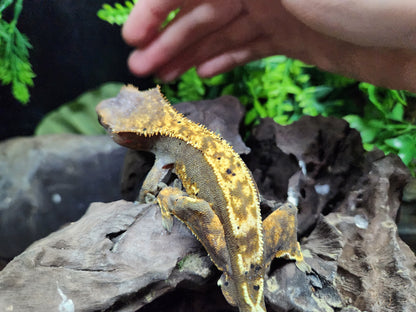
column 152, row 183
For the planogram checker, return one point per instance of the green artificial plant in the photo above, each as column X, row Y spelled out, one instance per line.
column 15, row 68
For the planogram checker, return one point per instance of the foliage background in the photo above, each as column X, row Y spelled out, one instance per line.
column 277, row 87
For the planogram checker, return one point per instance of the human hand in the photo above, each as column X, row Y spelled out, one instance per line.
column 217, row 35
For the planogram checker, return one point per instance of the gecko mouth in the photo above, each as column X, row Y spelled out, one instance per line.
column 100, row 120
column 104, row 125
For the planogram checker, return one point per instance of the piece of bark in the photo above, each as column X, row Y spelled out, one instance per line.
column 314, row 161
column 376, row 271
column 109, row 258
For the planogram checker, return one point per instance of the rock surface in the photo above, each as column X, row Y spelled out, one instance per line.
column 118, row 257
column 47, row 181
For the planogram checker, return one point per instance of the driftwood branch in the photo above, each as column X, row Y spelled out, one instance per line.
column 113, row 253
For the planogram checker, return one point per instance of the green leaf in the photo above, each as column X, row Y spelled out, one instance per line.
column 368, row 146
column 15, row 68
column 170, row 17
column 215, row 81
column 116, row 14
column 399, row 142
column 281, row 120
column 228, row 90
column 322, row 91
column 17, row 10
column 260, row 109
column 20, row 92
column 372, row 93
column 397, row 113
column 4, row 4
column 399, row 96
column 78, row 116
column 368, row 129
column 250, row 116
column 191, row 87
column 405, row 145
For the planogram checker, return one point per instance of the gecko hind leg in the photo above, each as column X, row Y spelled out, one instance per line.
column 280, row 237
column 199, row 217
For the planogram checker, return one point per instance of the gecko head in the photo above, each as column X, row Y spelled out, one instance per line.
column 126, row 115
column 116, row 114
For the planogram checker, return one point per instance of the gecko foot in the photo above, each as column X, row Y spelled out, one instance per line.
column 149, row 198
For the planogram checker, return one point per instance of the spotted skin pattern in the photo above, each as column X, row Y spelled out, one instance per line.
column 221, row 204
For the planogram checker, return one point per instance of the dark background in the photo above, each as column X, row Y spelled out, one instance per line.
column 73, row 51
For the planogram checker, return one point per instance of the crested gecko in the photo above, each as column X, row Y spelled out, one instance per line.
column 221, row 202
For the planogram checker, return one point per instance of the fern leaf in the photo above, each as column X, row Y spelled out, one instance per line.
column 116, row 14
column 4, row 4
column 15, row 68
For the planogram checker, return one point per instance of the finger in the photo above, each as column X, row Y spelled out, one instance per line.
column 224, row 62
column 236, row 34
column 193, row 24
column 145, row 19
column 281, row 29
